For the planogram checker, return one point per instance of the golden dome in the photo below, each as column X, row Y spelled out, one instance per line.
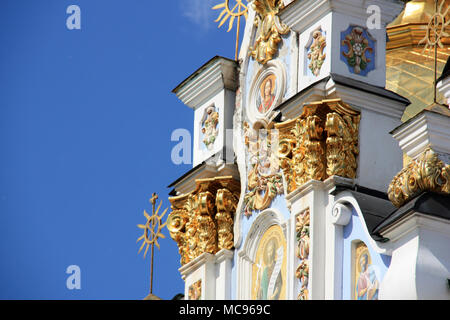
column 410, row 70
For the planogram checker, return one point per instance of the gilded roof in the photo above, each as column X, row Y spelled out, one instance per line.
column 409, row 70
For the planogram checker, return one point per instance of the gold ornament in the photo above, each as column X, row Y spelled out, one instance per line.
column 426, row 173
column 202, row 220
column 320, row 143
column 435, row 32
column 270, row 29
column 237, row 11
column 152, row 232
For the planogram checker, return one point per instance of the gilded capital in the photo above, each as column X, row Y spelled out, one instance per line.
column 320, row 143
column 425, row 173
column 202, row 221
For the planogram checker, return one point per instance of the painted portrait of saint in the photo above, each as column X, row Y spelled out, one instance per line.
column 269, row 270
column 366, row 282
column 266, row 97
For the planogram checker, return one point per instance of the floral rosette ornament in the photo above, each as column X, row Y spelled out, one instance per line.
column 358, row 46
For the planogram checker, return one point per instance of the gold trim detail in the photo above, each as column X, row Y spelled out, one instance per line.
column 425, row 173
column 270, row 29
column 302, row 273
column 202, row 220
column 321, row 142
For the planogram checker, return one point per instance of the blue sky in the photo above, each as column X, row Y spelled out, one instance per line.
column 86, row 118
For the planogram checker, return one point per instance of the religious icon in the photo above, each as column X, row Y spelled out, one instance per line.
column 266, row 98
column 366, row 282
column 269, row 270
column 209, row 124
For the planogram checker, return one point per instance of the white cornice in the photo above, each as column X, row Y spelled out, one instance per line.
column 207, row 170
column 218, row 74
column 427, row 129
column 414, row 221
column 366, row 100
column 193, row 265
column 301, row 14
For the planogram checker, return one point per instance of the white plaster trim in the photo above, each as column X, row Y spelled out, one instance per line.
column 219, row 75
column 413, row 221
column 301, row 14
column 347, row 198
column 426, row 129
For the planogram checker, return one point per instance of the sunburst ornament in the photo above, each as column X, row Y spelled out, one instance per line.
column 436, row 28
column 239, row 10
column 152, row 232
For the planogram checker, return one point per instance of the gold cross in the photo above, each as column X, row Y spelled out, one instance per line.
column 152, row 232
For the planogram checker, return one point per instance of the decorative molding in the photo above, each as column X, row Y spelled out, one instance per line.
column 217, row 74
column 425, row 173
column 202, row 221
column 321, row 142
column 269, row 30
column 301, row 14
column 341, row 214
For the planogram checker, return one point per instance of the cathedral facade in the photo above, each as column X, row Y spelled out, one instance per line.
column 321, row 159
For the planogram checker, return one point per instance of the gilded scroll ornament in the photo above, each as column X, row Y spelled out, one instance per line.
column 425, row 173
column 303, row 241
column 226, row 206
column 202, row 221
column 316, row 56
column 270, row 29
column 321, row 142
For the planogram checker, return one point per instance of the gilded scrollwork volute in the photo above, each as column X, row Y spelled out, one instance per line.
column 425, row 173
column 321, row 142
column 202, row 221
column 177, row 224
column 226, row 204
column 270, row 29
column 206, row 226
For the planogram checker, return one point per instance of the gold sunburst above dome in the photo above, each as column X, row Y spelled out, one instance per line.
column 410, row 69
